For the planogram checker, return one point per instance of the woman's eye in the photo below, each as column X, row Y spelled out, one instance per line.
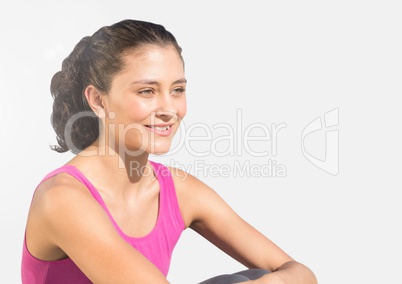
column 147, row 92
column 179, row 91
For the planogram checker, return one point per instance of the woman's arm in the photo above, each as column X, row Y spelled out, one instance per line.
column 289, row 273
column 65, row 216
column 207, row 213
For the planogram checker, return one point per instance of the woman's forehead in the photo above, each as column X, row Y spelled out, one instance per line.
column 152, row 63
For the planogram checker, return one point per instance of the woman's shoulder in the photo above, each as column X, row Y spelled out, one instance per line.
column 58, row 197
column 192, row 193
column 183, row 179
column 189, row 183
column 58, row 188
column 199, row 203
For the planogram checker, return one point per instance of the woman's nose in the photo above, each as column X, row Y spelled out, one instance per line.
column 166, row 108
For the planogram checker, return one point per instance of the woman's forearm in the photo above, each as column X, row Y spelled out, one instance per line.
column 289, row 273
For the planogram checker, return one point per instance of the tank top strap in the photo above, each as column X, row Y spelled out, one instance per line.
column 169, row 201
column 74, row 172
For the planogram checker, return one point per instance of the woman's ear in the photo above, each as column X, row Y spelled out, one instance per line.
column 95, row 100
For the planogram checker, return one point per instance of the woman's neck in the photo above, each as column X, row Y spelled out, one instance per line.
column 107, row 168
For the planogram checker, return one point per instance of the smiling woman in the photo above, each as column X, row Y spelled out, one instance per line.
column 120, row 96
column 146, row 112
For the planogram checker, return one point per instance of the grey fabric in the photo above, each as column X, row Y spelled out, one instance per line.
column 253, row 274
column 241, row 276
column 225, row 279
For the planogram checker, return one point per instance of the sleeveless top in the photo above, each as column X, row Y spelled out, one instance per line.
column 157, row 246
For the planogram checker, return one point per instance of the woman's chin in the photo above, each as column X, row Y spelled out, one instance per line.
column 159, row 152
column 139, row 148
column 159, row 149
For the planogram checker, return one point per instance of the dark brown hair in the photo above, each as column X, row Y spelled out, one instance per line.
column 94, row 61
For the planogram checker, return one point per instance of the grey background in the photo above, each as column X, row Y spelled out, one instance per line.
column 279, row 62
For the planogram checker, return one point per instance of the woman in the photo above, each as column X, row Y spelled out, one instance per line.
column 110, row 215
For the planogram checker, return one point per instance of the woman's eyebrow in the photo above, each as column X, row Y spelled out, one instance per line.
column 152, row 82
column 146, row 82
column 180, row 81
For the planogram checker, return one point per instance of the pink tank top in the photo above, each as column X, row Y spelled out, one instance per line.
column 157, row 245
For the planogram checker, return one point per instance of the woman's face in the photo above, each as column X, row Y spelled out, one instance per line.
column 147, row 100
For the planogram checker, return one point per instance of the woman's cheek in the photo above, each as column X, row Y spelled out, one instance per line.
column 182, row 109
column 139, row 111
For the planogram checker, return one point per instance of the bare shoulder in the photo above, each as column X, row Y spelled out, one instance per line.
column 59, row 189
column 188, row 185
column 53, row 201
column 195, row 197
column 62, row 200
column 186, row 181
column 180, row 177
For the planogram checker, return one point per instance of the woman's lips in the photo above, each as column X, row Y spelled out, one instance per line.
column 161, row 130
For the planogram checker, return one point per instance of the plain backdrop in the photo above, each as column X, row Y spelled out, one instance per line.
column 272, row 62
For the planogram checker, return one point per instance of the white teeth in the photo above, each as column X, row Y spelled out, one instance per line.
column 162, row 128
